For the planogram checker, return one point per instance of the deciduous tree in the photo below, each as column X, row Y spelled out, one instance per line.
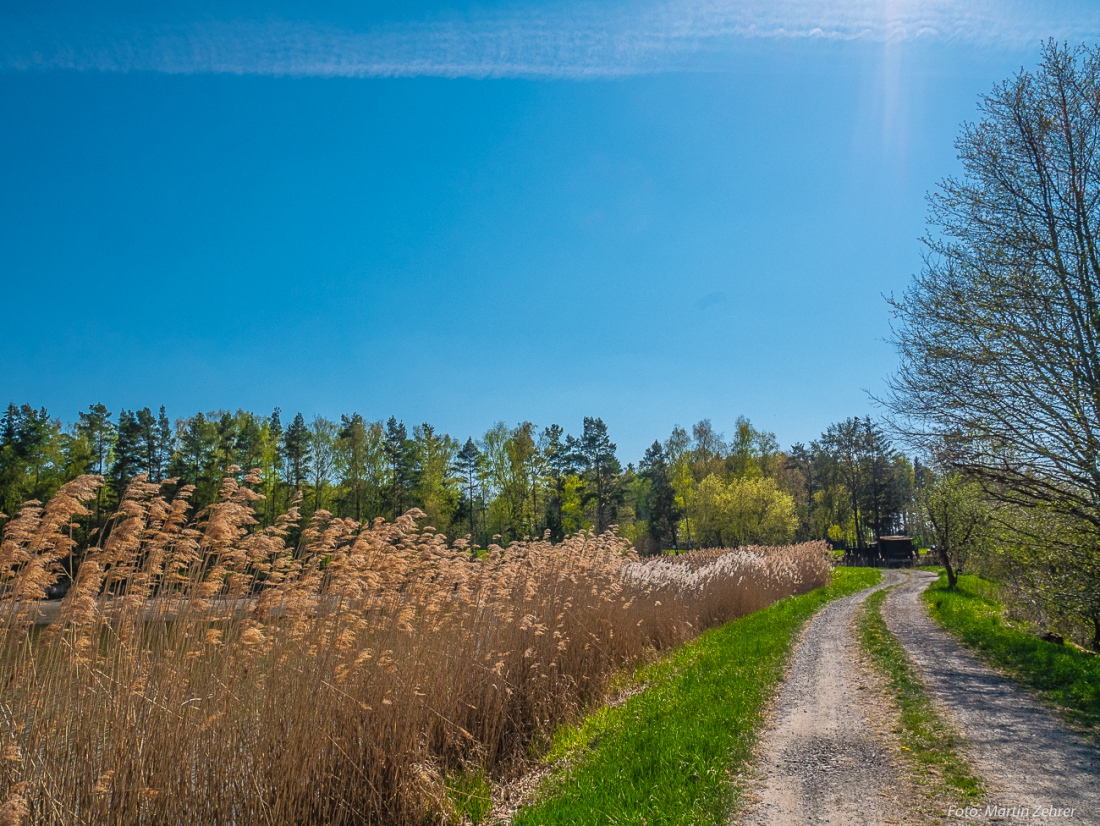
column 999, row 334
column 959, row 515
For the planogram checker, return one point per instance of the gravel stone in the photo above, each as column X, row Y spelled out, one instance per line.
column 820, row 760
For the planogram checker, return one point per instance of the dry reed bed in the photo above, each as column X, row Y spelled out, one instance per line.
column 369, row 662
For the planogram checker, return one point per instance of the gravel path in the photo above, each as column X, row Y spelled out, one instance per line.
column 820, row 761
column 1028, row 758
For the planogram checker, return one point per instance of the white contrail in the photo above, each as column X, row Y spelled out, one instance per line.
column 568, row 39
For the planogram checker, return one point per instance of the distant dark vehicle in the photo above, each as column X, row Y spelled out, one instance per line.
column 888, row 552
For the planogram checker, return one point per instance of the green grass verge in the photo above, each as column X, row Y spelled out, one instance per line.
column 667, row 755
column 470, row 795
column 932, row 747
column 1063, row 675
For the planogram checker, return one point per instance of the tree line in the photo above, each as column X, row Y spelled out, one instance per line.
column 692, row 489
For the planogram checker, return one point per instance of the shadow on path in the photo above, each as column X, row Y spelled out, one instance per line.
column 1035, row 767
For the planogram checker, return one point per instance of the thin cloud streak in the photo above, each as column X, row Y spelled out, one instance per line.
column 551, row 41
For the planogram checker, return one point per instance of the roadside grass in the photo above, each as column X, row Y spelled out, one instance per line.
column 668, row 754
column 1065, row 676
column 471, row 795
column 932, row 747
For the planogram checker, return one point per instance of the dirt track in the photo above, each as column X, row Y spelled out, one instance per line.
column 1028, row 758
column 820, row 761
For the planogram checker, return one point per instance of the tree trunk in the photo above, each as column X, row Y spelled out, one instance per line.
column 952, row 574
column 471, row 498
column 534, row 506
column 560, row 505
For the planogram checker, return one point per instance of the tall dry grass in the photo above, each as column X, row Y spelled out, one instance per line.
column 203, row 671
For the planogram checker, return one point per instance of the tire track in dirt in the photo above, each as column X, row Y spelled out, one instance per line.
column 1028, row 758
column 820, row 761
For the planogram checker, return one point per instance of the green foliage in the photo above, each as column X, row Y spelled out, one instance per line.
column 32, row 456
column 594, row 454
column 322, row 447
column 513, row 469
column 437, row 489
column 1066, row 676
column 296, row 448
column 1050, row 562
column 959, row 515
column 746, row 511
column 574, row 517
column 510, row 483
column 470, row 795
column 666, row 755
column 933, row 745
column 863, row 481
column 353, row 453
column 655, row 500
column 998, row 334
column 752, row 453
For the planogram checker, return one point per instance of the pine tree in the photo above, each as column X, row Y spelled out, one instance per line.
column 860, row 456
column 166, row 444
column 662, row 514
column 95, row 428
column 399, row 457
column 225, row 445
column 596, row 454
column 560, row 461
column 296, row 447
column 148, row 447
column 248, row 441
column 274, row 468
column 468, row 467
column 10, row 470
column 196, row 463
column 128, row 459
column 10, row 425
column 31, row 456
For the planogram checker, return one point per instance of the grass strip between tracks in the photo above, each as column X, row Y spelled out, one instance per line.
column 668, row 755
column 932, row 747
column 1065, row 676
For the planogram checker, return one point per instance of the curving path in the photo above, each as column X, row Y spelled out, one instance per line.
column 1036, row 768
column 820, row 761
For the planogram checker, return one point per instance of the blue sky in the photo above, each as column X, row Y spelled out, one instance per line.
column 464, row 213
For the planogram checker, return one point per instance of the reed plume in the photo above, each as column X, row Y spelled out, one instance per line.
column 200, row 670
